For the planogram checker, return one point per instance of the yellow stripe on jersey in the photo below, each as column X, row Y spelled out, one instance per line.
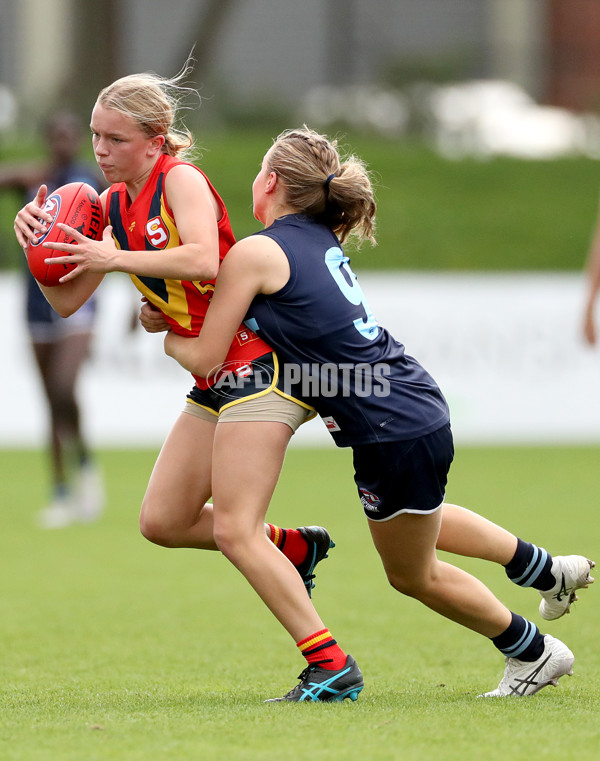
column 176, row 305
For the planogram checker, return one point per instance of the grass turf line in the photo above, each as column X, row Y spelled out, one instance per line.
column 116, row 649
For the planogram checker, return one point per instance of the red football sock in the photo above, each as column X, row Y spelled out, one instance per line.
column 290, row 541
column 320, row 647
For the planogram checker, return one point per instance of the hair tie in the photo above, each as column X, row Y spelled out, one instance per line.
column 327, row 181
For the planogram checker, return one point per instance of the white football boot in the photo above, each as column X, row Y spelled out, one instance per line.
column 89, row 495
column 572, row 572
column 528, row 677
column 58, row 514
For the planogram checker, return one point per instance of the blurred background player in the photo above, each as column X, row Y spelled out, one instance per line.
column 593, row 277
column 61, row 346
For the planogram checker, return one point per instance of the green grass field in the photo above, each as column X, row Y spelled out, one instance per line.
column 116, row 649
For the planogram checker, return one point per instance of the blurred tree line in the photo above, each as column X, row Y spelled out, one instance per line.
column 96, row 40
column 433, row 213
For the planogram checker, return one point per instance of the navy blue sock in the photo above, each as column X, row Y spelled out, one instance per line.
column 521, row 640
column 61, row 490
column 531, row 566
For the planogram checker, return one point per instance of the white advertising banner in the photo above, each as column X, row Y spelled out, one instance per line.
column 506, row 350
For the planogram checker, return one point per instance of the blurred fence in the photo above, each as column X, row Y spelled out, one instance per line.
column 505, row 349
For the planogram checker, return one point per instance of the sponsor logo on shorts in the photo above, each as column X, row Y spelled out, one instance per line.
column 236, row 380
column 330, row 424
column 369, row 500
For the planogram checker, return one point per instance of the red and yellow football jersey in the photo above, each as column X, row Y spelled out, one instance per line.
column 148, row 224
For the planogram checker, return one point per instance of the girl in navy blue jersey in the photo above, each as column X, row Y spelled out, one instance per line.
column 294, row 287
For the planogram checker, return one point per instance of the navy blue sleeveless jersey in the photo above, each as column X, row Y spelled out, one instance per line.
column 333, row 354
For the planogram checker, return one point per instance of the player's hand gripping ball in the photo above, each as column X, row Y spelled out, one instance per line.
column 76, row 204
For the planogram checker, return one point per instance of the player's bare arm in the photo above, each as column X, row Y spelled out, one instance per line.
column 254, row 265
column 593, row 277
column 67, row 298
column 197, row 215
column 196, row 259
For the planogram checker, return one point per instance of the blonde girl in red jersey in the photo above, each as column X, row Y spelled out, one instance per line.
column 232, row 451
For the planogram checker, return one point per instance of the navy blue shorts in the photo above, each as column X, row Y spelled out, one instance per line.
column 46, row 326
column 397, row 477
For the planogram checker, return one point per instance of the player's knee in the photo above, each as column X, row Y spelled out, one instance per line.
column 63, row 405
column 226, row 540
column 407, row 584
column 152, row 531
column 154, row 528
column 230, row 538
column 400, row 584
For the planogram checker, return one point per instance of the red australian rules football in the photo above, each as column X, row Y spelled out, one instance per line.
column 76, row 204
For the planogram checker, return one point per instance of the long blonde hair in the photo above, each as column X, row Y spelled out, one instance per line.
column 154, row 103
column 322, row 184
